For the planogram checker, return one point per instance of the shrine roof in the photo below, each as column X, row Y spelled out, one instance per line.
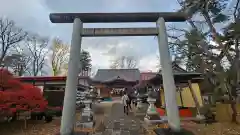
column 177, row 70
column 107, row 75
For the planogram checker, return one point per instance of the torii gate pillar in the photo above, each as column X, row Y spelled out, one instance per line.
column 167, row 75
column 69, row 105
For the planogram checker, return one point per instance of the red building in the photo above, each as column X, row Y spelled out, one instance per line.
column 144, row 77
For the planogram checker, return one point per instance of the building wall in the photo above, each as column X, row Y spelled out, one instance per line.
column 54, row 98
column 103, row 90
column 186, row 96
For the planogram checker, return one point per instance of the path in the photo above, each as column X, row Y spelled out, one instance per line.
column 117, row 123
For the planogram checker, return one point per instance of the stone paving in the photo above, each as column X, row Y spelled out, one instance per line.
column 118, row 123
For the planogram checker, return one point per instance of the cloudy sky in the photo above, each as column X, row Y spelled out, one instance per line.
column 33, row 15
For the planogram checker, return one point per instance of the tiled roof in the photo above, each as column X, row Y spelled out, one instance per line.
column 177, row 70
column 106, row 75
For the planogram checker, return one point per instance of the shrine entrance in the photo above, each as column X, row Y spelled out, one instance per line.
column 78, row 32
column 112, row 82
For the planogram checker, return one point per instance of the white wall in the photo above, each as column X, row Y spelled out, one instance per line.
column 81, row 81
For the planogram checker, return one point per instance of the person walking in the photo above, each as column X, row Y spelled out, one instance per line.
column 129, row 102
column 125, row 100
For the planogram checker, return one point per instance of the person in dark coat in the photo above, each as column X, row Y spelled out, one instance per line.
column 129, row 102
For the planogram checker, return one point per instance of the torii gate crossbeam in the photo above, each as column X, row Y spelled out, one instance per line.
column 68, row 117
column 117, row 17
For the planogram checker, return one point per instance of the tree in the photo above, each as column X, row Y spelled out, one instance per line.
column 85, row 61
column 17, row 62
column 10, row 35
column 231, row 39
column 37, row 49
column 60, row 56
column 208, row 51
column 127, row 62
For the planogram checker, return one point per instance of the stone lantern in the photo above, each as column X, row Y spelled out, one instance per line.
column 152, row 114
column 141, row 107
column 86, row 112
column 87, row 120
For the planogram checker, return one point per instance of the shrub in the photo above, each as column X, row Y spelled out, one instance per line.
column 16, row 96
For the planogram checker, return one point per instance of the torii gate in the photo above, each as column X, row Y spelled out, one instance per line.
column 68, row 117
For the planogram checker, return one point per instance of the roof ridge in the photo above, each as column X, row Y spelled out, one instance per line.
column 126, row 74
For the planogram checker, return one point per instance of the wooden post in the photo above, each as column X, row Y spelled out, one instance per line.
column 180, row 93
column 194, row 96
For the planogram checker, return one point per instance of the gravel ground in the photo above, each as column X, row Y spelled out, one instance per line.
column 218, row 129
column 33, row 128
column 39, row 127
column 42, row 128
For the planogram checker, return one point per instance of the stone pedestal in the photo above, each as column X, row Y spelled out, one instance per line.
column 168, row 131
column 141, row 109
column 151, row 114
column 87, row 114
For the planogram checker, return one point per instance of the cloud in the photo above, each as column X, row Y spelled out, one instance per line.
column 33, row 15
column 107, row 49
column 150, row 62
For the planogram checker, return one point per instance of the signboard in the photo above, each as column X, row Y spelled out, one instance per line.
column 90, row 32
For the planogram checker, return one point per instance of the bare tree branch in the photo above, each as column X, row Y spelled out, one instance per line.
column 37, row 49
column 122, row 62
column 10, row 35
column 59, row 57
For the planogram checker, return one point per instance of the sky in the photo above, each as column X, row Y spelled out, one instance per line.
column 33, row 16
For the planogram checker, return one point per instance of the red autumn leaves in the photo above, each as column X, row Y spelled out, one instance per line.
column 17, row 96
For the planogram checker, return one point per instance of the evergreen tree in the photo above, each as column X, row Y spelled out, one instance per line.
column 85, row 61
